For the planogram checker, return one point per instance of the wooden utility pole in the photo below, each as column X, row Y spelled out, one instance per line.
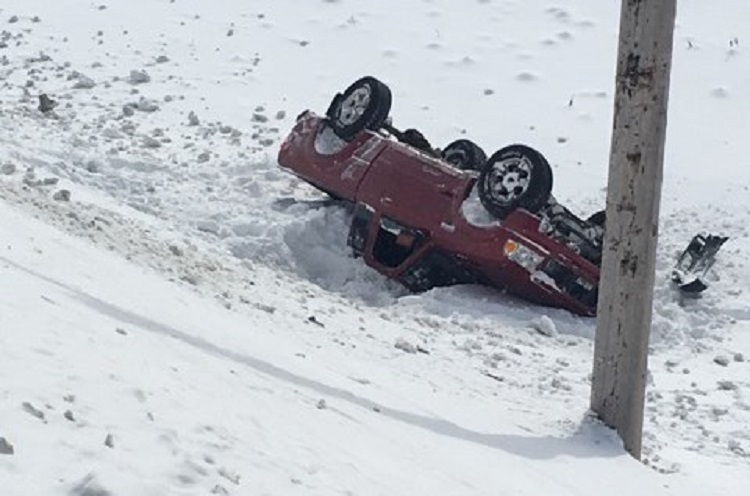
column 634, row 192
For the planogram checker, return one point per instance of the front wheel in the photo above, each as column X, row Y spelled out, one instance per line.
column 363, row 105
column 516, row 176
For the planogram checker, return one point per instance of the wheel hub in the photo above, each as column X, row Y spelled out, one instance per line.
column 509, row 179
column 353, row 106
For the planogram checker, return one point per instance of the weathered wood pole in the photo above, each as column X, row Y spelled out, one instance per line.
column 626, row 287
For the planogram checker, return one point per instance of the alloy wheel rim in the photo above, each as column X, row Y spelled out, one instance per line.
column 354, row 106
column 509, row 179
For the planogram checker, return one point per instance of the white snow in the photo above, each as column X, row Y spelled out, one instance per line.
column 170, row 326
column 475, row 213
column 327, row 143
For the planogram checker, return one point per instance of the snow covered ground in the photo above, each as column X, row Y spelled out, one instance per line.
column 175, row 327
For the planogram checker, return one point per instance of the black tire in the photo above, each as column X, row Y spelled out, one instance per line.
column 364, row 105
column 598, row 218
column 516, row 176
column 465, row 155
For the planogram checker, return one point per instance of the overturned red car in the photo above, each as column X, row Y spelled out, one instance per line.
column 431, row 217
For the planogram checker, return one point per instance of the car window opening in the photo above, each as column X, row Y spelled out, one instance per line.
column 393, row 247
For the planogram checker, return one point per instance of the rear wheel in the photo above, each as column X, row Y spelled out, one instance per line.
column 598, row 218
column 364, row 105
column 516, row 176
column 465, row 155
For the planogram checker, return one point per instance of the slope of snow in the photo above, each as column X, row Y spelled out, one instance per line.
column 119, row 381
column 240, row 310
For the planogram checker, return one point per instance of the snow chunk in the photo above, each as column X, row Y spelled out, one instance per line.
column 544, row 325
column 404, row 345
column 89, row 486
column 475, row 213
column 6, row 448
column 721, row 360
column 62, row 195
column 83, row 82
column 727, row 385
column 327, row 143
column 139, row 77
column 147, row 105
column 32, row 410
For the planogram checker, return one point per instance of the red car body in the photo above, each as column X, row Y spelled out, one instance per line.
column 409, row 220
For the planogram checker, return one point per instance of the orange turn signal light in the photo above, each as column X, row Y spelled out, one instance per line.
column 510, row 247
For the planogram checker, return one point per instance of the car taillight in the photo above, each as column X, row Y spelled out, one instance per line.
column 522, row 255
